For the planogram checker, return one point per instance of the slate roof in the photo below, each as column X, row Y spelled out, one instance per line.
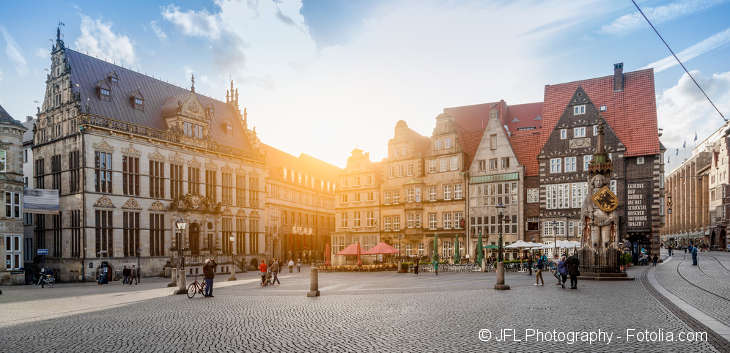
column 631, row 113
column 277, row 159
column 88, row 72
column 5, row 118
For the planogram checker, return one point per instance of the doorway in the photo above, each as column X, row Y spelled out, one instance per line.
column 194, row 236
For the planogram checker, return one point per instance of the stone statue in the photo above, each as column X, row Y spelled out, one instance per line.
column 599, row 224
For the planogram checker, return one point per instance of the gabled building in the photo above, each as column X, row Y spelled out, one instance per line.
column 11, row 193
column 626, row 104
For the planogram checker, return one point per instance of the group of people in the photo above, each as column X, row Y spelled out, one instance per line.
column 567, row 267
column 270, row 273
column 129, row 275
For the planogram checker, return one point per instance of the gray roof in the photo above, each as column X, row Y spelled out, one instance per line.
column 5, row 118
column 88, row 72
column 28, row 134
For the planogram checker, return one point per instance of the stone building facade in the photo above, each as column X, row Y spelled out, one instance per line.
column 300, row 205
column 11, row 188
column 357, row 206
column 131, row 155
column 690, row 200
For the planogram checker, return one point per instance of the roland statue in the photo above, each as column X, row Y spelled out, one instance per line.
column 598, row 218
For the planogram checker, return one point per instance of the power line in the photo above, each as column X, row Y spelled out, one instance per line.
column 679, row 61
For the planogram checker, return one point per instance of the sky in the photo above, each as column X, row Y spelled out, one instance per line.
column 324, row 77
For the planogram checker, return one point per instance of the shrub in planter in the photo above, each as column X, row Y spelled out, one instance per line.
column 404, row 267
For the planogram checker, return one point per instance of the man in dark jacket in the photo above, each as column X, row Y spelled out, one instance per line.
column 275, row 272
column 572, row 262
column 209, row 275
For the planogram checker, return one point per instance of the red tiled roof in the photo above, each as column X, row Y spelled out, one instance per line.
column 631, row 113
column 523, row 116
column 526, row 145
column 471, row 121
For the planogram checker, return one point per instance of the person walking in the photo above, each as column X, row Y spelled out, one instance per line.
column 135, row 276
column 275, row 272
column 563, row 270
column 415, row 268
column 299, row 265
column 538, row 274
column 572, row 263
column 670, row 250
column 209, row 275
column 262, row 270
column 654, row 260
column 529, row 265
column 693, row 251
column 125, row 275
column 291, row 265
column 436, row 266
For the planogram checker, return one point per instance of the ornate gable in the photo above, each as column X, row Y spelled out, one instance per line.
column 131, row 204
column 157, row 206
column 131, row 151
column 176, row 158
column 104, row 202
column 156, row 156
column 103, row 146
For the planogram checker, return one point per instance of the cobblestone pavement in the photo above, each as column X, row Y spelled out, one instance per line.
column 706, row 286
column 365, row 312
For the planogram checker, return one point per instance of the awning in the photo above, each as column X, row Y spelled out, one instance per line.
column 352, row 249
column 381, row 248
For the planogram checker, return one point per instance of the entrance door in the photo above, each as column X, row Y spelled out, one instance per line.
column 194, row 239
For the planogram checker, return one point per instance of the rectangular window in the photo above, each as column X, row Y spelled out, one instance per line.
column 227, row 189
column 75, row 171
column 193, row 181
column 210, row 185
column 505, row 162
column 357, row 196
column 130, row 175
column 411, row 194
column 447, row 192
column 386, row 223
column 493, row 164
column 343, row 220
column 482, row 165
column 13, row 252
column 410, row 170
column 39, row 172
column 371, row 219
column 432, row 220
column 4, row 160
column 396, row 223
column 396, row 197
column 386, row 197
column 104, row 234
column 157, row 234
column 587, row 162
column 613, row 187
column 570, row 164
column 446, row 216
column 130, row 239
column 579, row 131
column 241, row 235
column 76, row 233
column 253, row 192
column 555, row 165
column 253, row 239
column 12, row 204
column 458, row 217
column 157, row 175
column 432, row 193
column 493, row 141
column 444, row 164
column 356, row 219
column 56, row 172
column 176, row 181
column 57, row 236
column 103, row 171
column 454, row 163
column 579, row 109
column 371, row 196
column 639, row 160
column 432, row 166
column 226, row 235
column 458, row 193
column 563, row 134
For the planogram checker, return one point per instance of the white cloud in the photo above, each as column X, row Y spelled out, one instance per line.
column 98, row 39
column 42, row 53
column 683, row 112
column 13, row 52
column 161, row 35
column 401, row 64
column 711, row 43
column 657, row 15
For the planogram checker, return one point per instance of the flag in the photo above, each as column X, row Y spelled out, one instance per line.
column 676, row 153
column 684, row 145
column 695, row 136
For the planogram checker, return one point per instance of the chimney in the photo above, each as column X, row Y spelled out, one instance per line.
column 618, row 77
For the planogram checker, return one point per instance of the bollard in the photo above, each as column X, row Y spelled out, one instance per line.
column 313, row 283
column 173, row 278
column 500, row 277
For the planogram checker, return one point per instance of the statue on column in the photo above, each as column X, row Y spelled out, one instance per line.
column 598, row 219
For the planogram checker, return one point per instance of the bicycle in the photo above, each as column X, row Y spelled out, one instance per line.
column 46, row 280
column 196, row 287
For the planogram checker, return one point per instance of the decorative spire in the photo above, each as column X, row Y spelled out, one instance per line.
column 227, row 96
column 192, row 80
column 236, row 96
column 59, row 41
column 601, row 162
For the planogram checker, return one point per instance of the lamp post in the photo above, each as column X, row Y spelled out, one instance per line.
column 233, row 260
column 180, row 225
column 500, row 264
column 555, row 237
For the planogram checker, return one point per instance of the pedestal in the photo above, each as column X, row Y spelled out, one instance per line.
column 500, row 277
column 313, row 283
column 601, row 265
column 173, row 278
column 181, row 282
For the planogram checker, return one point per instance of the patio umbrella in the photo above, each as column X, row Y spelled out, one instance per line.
column 359, row 260
column 519, row 245
column 381, row 248
column 480, row 249
column 349, row 250
column 327, row 254
column 457, row 255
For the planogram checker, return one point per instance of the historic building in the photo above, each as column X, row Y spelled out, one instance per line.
column 357, row 206
column 11, row 187
column 130, row 156
column 625, row 104
column 28, row 254
column 689, row 198
column 300, row 205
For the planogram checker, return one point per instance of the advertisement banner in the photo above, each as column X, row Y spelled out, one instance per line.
column 40, row 201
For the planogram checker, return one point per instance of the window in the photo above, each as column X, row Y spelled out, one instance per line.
column 105, row 93
column 13, row 252
column 227, row 189
column 563, row 134
column 371, row 196
column 579, row 109
column 447, row 192
column 443, row 164
column 410, row 169
column 138, row 103
column 587, row 162
column 386, row 197
column 104, row 234
column 505, row 162
column 226, row 235
column 75, row 171
column 482, row 165
column 103, row 171
column 438, row 145
column 343, row 197
column 176, row 181
column 595, row 130
column 193, row 181
column 396, row 197
column 493, row 141
column 370, row 219
column 357, row 196
column 432, row 221
column 343, row 220
column 555, row 166
column 447, row 219
column 210, row 190
column 130, row 237
column 157, row 175
column 579, row 131
column 157, row 234
column 76, row 233
column 396, row 223
column 447, row 142
column 570, row 164
column 356, row 219
column 533, row 195
column 493, row 164
column 458, row 217
column 130, row 175
column 446, row 250
column 418, row 194
column 56, row 172
column 613, row 187
column 253, row 192
column 253, row 238
column 386, row 223
column 639, row 160
column 578, row 194
column 454, row 163
column 12, row 205
column 432, row 193
column 432, row 166
column 458, row 193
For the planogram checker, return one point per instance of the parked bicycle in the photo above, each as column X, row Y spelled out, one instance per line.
column 195, row 288
column 46, row 280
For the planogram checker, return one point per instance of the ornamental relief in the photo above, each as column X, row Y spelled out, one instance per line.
column 131, row 151
column 156, row 156
column 103, row 146
column 241, row 212
column 157, row 206
column 104, row 202
column 176, row 158
column 131, row 204
column 210, row 165
column 195, row 163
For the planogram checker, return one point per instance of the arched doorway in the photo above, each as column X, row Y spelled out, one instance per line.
column 194, row 236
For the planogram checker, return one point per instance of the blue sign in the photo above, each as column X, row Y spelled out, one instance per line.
column 42, row 251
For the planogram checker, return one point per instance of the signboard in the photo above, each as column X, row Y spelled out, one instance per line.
column 41, row 251
column 637, row 205
column 40, row 201
column 605, row 199
column 496, row 177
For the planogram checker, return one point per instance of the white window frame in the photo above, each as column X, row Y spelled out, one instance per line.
column 447, row 192
column 579, row 131
column 433, row 220
column 579, row 109
column 371, row 218
column 458, row 192
column 432, row 193
column 13, row 252
column 13, row 205
column 563, row 134
column 570, row 164
column 446, row 216
column 396, row 223
column 555, row 165
column 432, row 166
column 454, row 163
column 639, row 160
column 356, row 219
column 587, row 162
column 386, row 223
column 443, row 164
column 595, row 130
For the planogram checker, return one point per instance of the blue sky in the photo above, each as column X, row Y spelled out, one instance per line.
column 323, row 77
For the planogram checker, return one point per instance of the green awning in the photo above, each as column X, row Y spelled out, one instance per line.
column 491, row 247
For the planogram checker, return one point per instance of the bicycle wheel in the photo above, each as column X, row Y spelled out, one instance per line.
column 192, row 289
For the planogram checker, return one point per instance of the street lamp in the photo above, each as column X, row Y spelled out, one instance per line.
column 500, row 264
column 555, row 237
column 180, row 225
column 233, row 260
